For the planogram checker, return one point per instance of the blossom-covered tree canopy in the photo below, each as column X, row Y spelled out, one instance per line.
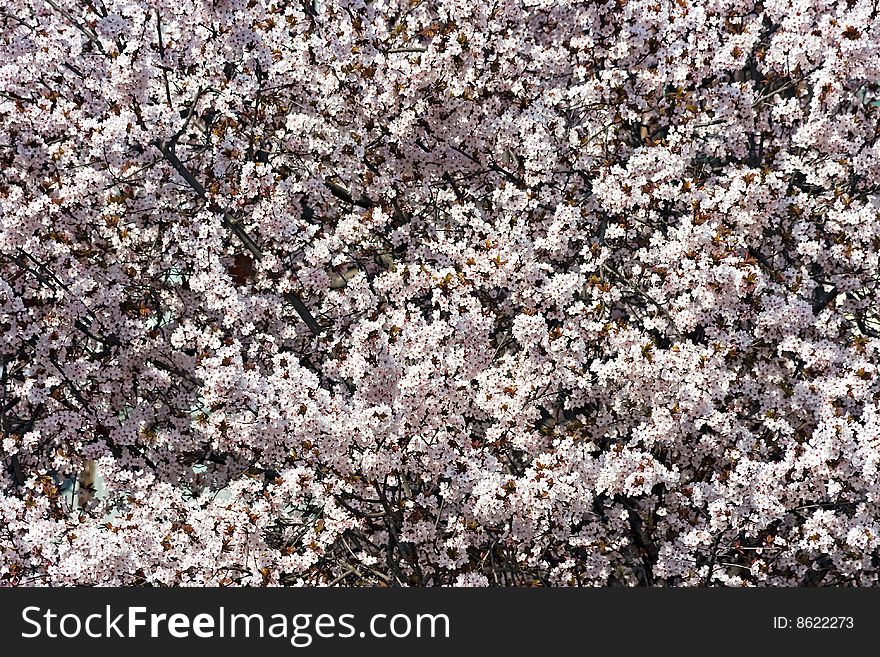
column 440, row 292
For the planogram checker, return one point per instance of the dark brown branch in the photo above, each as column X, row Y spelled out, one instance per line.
column 228, row 221
column 864, row 329
column 232, row 224
column 343, row 194
column 821, row 298
column 162, row 54
column 90, row 35
column 16, row 471
column 645, row 546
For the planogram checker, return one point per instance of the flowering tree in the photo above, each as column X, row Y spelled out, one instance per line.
column 433, row 292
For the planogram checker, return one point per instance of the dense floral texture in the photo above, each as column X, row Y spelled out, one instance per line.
column 440, row 292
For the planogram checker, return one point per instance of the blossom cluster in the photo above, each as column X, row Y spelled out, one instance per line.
column 429, row 293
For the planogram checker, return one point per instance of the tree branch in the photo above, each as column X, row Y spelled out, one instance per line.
column 91, row 36
column 232, row 224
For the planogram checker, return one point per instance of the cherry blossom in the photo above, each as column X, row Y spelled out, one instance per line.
column 442, row 293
